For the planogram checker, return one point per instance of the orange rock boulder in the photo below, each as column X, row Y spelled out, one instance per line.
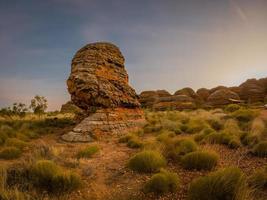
column 98, row 83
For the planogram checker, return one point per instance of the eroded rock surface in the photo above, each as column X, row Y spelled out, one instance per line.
column 98, row 78
column 98, row 83
column 222, row 97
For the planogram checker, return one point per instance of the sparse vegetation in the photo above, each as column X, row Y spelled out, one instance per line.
column 165, row 135
column 87, row 152
column 49, row 176
column 147, row 161
column 9, row 153
column 200, row 160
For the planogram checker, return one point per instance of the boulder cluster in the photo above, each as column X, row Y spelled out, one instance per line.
column 251, row 91
column 98, row 84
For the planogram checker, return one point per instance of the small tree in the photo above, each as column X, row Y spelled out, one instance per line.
column 38, row 105
column 6, row 112
column 17, row 109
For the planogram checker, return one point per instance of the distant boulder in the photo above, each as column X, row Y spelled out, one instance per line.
column 148, row 98
column 252, row 91
column 70, row 107
column 175, row 102
column 187, row 91
column 203, row 93
column 163, row 93
column 212, row 90
column 222, row 97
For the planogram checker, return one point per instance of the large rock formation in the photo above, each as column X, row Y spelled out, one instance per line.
column 222, row 97
column 98, row 78
column 252, row 91
column 98, row 83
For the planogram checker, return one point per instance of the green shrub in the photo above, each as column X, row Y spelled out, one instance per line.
column 147, row 161
column 162, row 182
column 7, row 130
column 205, row 132
column 225, row 184
column 260, row 149
column 14, row 142
column 43, row 173
column 249, row 139
column 200, row 160
column 13, row 194
column 215, row 124
column 218, row 138
column 87, row 152
column 134, row 143
column 224, row 138
column 244, row 115
column 9, row 153
column 67, row 181
column 125, row 138
column 3, row 137
column 165, row 135
column 152, row 128
column 195, row 126
column 185, row 146
column 49, row 176
column 232, row 108
column 259, row 178
column 174, row 149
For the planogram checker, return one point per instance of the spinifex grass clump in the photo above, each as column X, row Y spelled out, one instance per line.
column 200, row 160
column 260, row 149
column 259, row 178
column 132, row 140
column 244, row 115
column 87, row 152
column 14, row 142
column 162, row 182
column 232, row 108
column 176, row 148
column 227, row 184
column 9, row 153
column 49, row 176
column 147, row 161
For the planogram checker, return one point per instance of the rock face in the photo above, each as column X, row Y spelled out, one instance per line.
column 252, row 91
column 98, row 78
column 149, row 98
column 203, row 93
column 174, row 102
column 98, row 83
column 222, row 97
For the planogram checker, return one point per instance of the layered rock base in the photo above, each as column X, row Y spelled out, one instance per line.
column 106, row 122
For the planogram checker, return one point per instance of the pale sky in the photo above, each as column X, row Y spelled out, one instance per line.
column 167, row 44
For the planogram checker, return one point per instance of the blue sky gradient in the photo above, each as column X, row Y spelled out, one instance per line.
column 167, row 44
